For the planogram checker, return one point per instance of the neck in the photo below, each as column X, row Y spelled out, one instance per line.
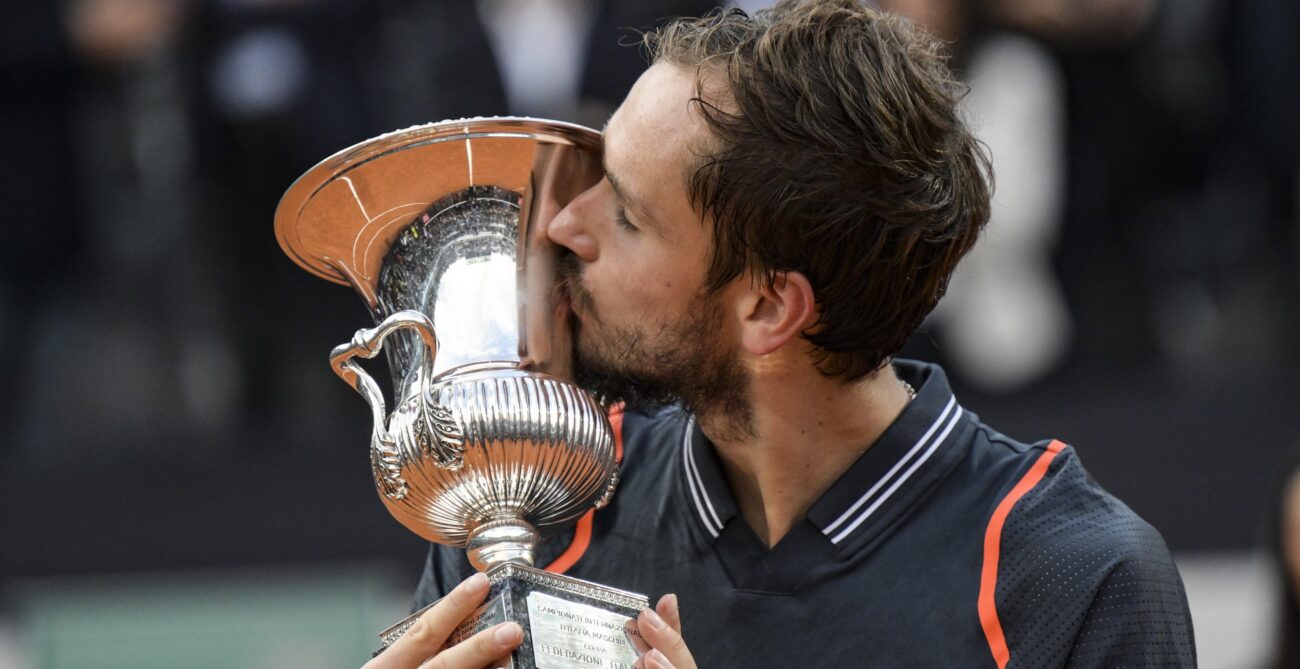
column 807, row 431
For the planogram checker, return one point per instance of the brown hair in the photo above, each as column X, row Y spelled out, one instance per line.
column 838, row 154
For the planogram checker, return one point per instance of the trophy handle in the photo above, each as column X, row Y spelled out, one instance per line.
column 422, row 425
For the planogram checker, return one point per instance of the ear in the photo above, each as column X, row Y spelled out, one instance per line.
column 773, row 315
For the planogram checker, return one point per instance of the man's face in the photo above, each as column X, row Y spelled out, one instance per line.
column 646, row 329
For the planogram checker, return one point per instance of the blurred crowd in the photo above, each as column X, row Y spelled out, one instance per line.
column 1144, row 244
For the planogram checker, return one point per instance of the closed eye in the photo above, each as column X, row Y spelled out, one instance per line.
column 620, row 215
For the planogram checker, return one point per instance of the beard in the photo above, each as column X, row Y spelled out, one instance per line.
column 679, row 360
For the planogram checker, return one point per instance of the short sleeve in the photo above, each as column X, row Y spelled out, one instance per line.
column 1085, row 582
column 1138, row 618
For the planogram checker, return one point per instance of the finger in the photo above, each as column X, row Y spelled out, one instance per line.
column 656, row 660
column 428, row 633
column 480, row 649
column 667, row 609
column 663, row 638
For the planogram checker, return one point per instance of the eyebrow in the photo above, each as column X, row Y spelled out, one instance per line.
column 616, row 185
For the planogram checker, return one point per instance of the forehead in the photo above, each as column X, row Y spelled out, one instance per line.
column 652, row 138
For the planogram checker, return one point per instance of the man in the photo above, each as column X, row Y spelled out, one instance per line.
column 785, row 197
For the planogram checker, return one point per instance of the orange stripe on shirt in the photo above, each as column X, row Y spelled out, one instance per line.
column 582, row 532
column 988, row 607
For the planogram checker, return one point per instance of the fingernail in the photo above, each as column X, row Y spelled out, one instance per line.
column 653, row 618
column 508, row 633
column 672, row 603
column 657, row 659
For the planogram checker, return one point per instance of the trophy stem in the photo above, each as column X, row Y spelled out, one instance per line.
column 501, row 541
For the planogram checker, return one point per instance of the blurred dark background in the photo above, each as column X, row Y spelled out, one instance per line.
column 168, row 404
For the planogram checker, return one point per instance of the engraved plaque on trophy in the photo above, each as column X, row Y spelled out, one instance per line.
column 441, row 229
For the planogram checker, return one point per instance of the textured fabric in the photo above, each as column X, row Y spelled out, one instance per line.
column 1069, row 542
column 886, row 570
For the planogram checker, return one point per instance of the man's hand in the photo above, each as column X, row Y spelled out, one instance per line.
column 421, row 644
column 662, row 630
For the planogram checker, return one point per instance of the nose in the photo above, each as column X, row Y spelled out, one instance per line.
column 570, row 228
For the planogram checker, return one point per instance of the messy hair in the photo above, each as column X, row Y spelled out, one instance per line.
column 836, row 151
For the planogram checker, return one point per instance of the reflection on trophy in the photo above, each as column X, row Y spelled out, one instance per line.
column 441, row 229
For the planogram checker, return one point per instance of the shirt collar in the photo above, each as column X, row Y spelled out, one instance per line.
column 913, row 450
column 709, row 495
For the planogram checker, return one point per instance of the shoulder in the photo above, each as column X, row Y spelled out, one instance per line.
column 1053, row 505
column 1049, row 522
column 1074, row 564
column 1040, row 495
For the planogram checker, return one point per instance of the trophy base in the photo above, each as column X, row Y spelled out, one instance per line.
column 568, row 623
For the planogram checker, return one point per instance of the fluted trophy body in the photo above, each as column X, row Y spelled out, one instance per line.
column 441, row 230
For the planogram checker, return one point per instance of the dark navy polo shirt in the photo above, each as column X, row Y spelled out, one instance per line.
column 945, row 545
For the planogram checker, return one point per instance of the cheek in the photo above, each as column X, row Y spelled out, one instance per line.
column 619, row 287
column 644, row 276
column 635, row 289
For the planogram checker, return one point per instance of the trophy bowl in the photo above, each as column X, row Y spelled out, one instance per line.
column 441, row 229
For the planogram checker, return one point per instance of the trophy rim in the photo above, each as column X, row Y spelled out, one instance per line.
column 305, row 187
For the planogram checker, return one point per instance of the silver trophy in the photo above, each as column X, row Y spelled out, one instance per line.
column 441, row 229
